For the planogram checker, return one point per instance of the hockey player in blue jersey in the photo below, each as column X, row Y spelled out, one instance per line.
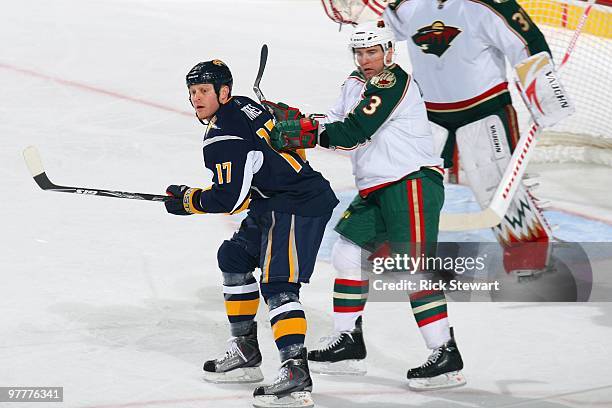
column 289, row 205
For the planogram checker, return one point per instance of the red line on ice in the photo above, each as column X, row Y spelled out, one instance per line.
column 120, row 96
column 95, row 89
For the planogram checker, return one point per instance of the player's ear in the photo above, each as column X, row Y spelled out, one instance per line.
column 389, row 57
column 224, row 93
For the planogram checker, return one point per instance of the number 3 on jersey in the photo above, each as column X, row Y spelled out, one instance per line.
column 375, row 102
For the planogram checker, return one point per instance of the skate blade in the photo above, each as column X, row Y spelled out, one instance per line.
column 301, row 399
column 239, row 375
column 447, row 380
column 345, row 367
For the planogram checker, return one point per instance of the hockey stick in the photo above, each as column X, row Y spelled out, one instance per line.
column 34, row 163
column 263, row 58
column 496, row 211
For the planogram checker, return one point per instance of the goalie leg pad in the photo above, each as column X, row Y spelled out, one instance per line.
column 524, row 234
column 485, row 150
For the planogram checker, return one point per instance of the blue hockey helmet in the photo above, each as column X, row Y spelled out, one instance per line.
column 213, row 72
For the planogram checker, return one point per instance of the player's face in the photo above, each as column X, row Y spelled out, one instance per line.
column 370, row 60
column 204, row 100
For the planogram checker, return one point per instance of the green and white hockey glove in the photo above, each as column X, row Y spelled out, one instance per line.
column 282, row 111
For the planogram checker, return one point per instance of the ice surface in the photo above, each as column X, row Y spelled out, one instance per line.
column 120, row 303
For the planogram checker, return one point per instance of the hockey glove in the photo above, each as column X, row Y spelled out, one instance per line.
column 543, row 93
column 282, row 111
column 184, row 198
column 295, row 134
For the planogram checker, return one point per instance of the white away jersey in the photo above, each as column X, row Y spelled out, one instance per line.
column 383, row 124
column 457, row 50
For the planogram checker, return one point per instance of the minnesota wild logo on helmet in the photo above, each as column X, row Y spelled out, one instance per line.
column 435, row 38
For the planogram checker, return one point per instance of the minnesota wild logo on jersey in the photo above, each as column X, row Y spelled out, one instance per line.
column 385, row 79
column 435, row 38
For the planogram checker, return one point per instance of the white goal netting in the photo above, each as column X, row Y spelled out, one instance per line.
column 586, row 136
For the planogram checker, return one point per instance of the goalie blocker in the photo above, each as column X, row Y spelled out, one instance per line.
column 542, row 91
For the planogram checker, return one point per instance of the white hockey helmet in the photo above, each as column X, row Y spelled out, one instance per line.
column 373, row 33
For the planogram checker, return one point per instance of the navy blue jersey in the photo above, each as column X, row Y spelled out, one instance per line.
column 238, row 152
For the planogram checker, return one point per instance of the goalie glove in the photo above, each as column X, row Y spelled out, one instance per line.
column 541, row 90
column 296, row 134
column 282, row 111
column 354, row 11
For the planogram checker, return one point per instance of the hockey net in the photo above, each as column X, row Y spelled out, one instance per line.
column 586, row 136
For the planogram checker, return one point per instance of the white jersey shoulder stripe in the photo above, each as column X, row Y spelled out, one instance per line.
column 220, row 139
column 356, row 78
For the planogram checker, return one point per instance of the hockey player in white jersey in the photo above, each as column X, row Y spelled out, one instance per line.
column 380, row 118
column 458, row 50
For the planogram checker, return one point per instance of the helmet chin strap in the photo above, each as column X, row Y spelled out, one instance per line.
column 355, row 59
column 196, row 113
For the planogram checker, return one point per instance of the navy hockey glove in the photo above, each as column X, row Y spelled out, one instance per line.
column 184, row 199
column 295, row 134
column 282, row 111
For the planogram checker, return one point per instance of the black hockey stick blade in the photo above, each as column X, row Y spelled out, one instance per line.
column 34, row 163
column 262, row 65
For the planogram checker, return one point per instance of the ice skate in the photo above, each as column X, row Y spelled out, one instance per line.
column 441, row 370
column 290, row 389
column 239, row 364
column 343, row 354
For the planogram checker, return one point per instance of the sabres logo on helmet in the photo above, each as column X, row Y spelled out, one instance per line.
column 210, row 72
column 435, row 38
